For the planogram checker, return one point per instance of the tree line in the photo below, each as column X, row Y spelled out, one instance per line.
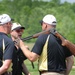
column 29, row 12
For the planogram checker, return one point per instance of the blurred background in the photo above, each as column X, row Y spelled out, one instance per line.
column 29, row 12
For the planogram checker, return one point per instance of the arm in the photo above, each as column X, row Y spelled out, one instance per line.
column 30, row 55
column 25, row 70
column 66, row 43
column 5, row 66
column 70, row 46
column 69, row 64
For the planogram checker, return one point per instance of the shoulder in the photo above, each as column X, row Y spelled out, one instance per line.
column 42, row 39
column 5, row 37
column 7, row 40
column 43, row 36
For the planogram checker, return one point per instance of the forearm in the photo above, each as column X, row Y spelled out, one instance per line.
column 70, row 46
column 66, row 43
column 30, row 55
column 5, row 66
column 69, row 64
column 2, row 70
column 26, row 52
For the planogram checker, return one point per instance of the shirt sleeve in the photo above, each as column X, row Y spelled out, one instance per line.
column 8, row 52
column 38, row 47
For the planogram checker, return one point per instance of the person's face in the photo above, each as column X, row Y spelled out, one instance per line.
column 17, row 32
column 8, row 27
column 43, row 26
column 46, row 26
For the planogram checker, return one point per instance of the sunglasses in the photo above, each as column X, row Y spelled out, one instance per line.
column 20, row 30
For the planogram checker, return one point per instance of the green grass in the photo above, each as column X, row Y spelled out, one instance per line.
column 35, row 70
column 32, row 70
column 72, row 72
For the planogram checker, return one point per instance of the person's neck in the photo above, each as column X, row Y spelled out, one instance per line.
column 49, row 28
column 2, row 30
column 13, row 38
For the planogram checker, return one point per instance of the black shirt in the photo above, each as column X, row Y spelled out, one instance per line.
column 18, row 58
column 56, row 53
column 7, row 53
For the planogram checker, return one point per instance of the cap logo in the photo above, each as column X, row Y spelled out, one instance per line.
column 4, row 18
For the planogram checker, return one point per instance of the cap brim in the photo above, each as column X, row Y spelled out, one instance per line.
column 12, row 19
column 19, row 28
column 41, row 22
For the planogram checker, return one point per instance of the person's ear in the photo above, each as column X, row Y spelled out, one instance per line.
column 45, row 26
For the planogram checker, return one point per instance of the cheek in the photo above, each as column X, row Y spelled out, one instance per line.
column 43, row 27
column 9, row 27
column 14, row 33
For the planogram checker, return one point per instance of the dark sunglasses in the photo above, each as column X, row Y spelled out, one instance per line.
column 20, row 30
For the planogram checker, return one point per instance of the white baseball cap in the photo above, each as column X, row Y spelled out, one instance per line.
column 49, row 19
column 4, row 18
column 16, row 26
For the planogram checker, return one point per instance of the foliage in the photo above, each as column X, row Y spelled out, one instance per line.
column 29, row 12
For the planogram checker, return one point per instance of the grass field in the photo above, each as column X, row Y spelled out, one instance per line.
column 35, row 70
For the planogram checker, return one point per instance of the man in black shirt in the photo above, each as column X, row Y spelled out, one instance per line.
column 6, row 44
column 53, row 58
column 18, row 65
